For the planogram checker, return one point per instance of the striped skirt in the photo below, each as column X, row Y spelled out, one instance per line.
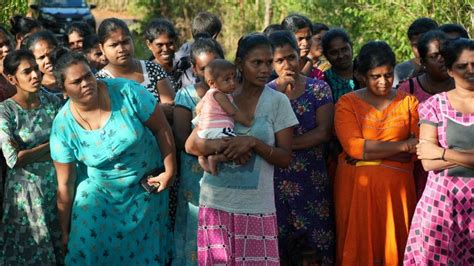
column 236, row 239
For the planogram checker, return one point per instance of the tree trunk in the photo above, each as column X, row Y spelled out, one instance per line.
column 268, row 13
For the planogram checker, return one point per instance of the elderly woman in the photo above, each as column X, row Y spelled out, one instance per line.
column 441, row 230
column 29, row 228
column 118, row 132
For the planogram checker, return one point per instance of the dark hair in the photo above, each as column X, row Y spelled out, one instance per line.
column 206, row 22
column 44, row 35
column 272, row 28
column 202, row 35
column 57, row 53
column 427, row 38
column 7, row 34
column 158, row 27
column 111, row 25
column 23, row 25
column 420, row 26
column 318, row 27
column 217, row 66
column 63, row 62
column 250, row 41
column 90, row 42
column 374, row 54
column 334, row 34
column 205, row 45
column 296, row 22
column 453, row 50
column 282, row 38
column 454, row 28
column 82, row 28
column 13, row 60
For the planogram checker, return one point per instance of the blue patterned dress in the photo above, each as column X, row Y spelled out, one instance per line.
column 114, row 221
column 185, row 233
column 303, row 192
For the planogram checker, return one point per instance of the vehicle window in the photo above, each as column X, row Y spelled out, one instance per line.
column 63, row 3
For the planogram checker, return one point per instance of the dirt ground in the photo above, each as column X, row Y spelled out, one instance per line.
column 100, row 15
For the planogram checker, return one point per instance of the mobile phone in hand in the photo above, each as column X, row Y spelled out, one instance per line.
column 149, row 188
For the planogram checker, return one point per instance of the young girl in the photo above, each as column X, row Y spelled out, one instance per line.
column 29, row 226
column 217, row 111
column 116, row 43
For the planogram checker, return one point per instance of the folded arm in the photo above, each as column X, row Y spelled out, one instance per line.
column 321, row 134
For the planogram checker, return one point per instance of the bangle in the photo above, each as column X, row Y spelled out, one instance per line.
column 442, row 156
column 271, row 152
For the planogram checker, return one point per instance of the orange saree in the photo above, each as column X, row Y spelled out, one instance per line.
column 374, row 200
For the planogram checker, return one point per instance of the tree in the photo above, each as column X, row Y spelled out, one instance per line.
column 9, row 8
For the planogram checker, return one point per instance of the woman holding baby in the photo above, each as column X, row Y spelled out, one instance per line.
column 238, row 203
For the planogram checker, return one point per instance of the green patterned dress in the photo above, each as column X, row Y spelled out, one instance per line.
column 29, row 228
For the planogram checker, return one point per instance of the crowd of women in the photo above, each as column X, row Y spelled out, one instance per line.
column 347, row 161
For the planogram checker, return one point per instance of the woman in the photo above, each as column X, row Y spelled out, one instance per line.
column 203, row 51
column 6, row 91
column 305, row 221
column 435, row 79
column 302, row 28
column 22, row 27
column 42, row 44
column 6, row 46
column 374, row 190
column 117, row 45
column 29, row 228
column 115, row 128
column 316, row 53
column 337, row 48
column 237, row 220
column 441, row 230
column 161, row 39
column 76, row 34
column 95, row 57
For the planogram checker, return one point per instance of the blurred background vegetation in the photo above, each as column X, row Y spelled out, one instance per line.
column 364, row 20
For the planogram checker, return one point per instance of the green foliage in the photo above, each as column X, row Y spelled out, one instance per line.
column 9, row 8
column 386, row 20
column 364, row 20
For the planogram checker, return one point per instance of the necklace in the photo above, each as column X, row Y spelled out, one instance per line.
column 98, row 106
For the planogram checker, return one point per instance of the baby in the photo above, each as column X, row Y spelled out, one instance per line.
column 217, row 111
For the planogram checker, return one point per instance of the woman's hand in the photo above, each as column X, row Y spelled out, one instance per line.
column 428, row 151
column 350, row 160
column 244, row 158
column 238, row 147
column 163, row 181
column 410, row 144
column 287, row 78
